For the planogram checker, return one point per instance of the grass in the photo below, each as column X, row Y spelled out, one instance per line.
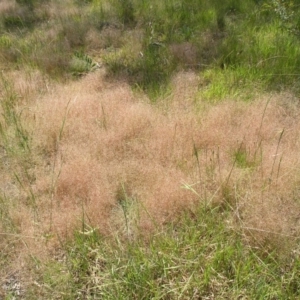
column 196, row 256
column 225, row 196
column 149, row 150
column 231, row 40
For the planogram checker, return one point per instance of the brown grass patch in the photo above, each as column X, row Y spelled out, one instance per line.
column 6, row 6
column 96, row 146
column 186, row 53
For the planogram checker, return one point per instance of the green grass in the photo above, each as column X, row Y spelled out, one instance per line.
column 195, row 256
column 254, row 44
column 255, row 49
column 14, row 137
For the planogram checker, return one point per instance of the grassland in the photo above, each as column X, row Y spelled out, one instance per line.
column 149, row 149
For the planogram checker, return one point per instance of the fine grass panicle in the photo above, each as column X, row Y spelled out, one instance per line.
column 237, row 145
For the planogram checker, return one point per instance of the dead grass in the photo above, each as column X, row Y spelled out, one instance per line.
column 93, row 138
column 111, row 138
column 6, row 6
column 186, row 53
